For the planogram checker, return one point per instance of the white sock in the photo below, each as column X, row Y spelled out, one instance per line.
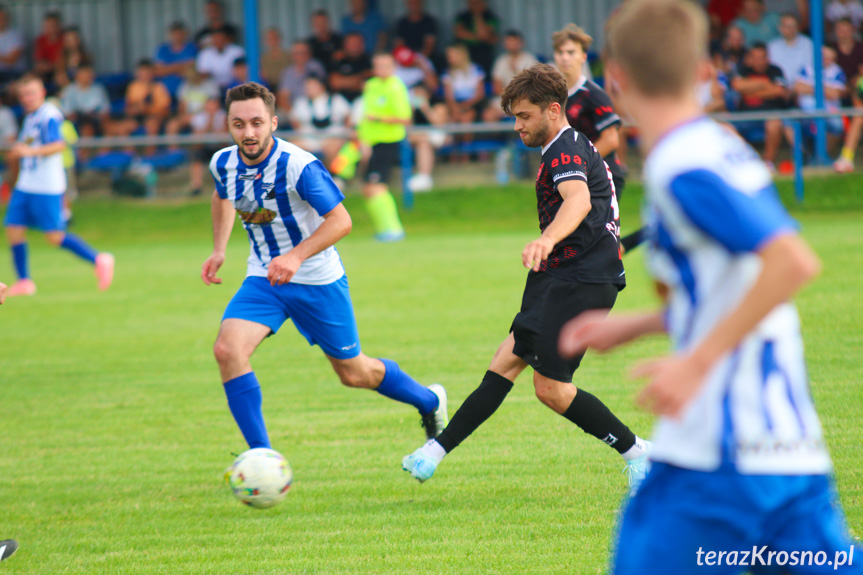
column 640, row 449
column 433, row 450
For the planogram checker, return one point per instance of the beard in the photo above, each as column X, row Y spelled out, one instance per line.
column 254, row 155
column 538, row 138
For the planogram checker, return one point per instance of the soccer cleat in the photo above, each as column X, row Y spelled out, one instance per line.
column 843, row 166
column 419, row 183
column 636, row 470
column 104, row 270
column 25, row 286
column 436, row 420
column 420, row 466
column 7, row 548
column 390, row 237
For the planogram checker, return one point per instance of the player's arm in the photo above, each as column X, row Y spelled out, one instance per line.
column 223, row 222
column 575, row 207
column 595, row 330
column 608, row 141
column 337, row 224
column 607, row 123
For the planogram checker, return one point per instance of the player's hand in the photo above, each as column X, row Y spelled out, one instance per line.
column 211, row 267
column 2, row 292
column 595, row 330
column 673, row 382
column 536, row 252
column 282, row 269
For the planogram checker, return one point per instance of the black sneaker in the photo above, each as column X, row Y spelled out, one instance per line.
column 7, row 548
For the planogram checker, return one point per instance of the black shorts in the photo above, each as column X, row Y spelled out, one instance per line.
column 547, row 304
column 384, row 157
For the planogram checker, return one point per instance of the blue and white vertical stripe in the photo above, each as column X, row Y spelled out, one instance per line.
column 293, row 185
column 42, row 174
column 710, row 207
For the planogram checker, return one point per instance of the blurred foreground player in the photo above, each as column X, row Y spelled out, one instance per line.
column 293, row 215
column 37, row 199
column 739, row 465
column 575, row 266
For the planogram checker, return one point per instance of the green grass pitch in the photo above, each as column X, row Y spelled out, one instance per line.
column 114, row 430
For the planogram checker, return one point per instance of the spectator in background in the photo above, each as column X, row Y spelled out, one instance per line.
column 214, row 12
column 325, row 43
column 175, row 57
column 148, row 104
column 757, row 24
column 275, row 58
column 48, row 48
column 477, row 27
column 463, row 84
column 511, row 62
column 192, row 95
column 849, row 57
column 240, row 73
column 792, row 52
column 72, row 57
column 711, row 92
column 292, row 82
column 732, row 53
column 835, row 89
column 839, row 9
column 85, row 103
column 351, row 71
column 723, row 11
column 367, row 22
column 319, row 113
column 418, row 30
column 762, row 86
column 211, row 119
column 12, row 63
column 217, row 59
column 8, row 135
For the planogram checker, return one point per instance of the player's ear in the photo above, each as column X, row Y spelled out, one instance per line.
column 275, row 122
column 554, row 110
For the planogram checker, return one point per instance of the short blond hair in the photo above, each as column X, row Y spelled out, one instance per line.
column 571, row 33
column 659, row 44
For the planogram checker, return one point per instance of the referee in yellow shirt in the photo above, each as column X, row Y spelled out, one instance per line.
column 386, row 112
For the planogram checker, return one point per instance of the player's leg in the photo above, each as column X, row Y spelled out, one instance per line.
column 252, row 314
column 17, row 220
column 380, row 203
column 845, row 162
column 476, row 409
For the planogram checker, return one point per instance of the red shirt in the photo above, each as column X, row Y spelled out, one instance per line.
column 725, row 10
column 48, row 49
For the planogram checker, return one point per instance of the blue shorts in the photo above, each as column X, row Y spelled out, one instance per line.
column 323, row 314
column 679, row 516
column 40, row 211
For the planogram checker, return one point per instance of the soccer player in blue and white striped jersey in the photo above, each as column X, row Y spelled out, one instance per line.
column 740, row 468
column 293, row 214
column 37, row 199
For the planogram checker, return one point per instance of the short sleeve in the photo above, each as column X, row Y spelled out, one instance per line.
column 565, row 163
column 219, row 171
column 316, row 186
column 603, row 112
column 742, row 222
column 51, row 130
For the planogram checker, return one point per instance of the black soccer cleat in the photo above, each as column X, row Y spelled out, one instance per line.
column 7, row 548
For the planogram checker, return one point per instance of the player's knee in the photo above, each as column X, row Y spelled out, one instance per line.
column 353, row 378
column 224, row 352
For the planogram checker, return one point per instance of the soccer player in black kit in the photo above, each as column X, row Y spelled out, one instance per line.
column 589, row 109
column 575, row 266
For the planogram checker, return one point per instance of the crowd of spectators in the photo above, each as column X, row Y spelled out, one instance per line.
column 761, row 53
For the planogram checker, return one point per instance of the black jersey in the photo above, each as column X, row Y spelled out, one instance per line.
column 591, row 253
column 590, row 112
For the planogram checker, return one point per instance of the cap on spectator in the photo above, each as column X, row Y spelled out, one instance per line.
column 404, row 56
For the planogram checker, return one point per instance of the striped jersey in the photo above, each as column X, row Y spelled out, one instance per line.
column 281, row 201
column 42, row 174
column 710, row 206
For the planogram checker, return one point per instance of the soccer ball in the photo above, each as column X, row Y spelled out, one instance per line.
column 260, row 477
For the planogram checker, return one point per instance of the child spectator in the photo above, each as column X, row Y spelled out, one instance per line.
column 477, row 28
column 192, row 95
column 12, row 63
column 834, row 89
column 275, row 59
column 175, row 57
column 148, row 104
column 292, row 82
column 85, row 103
column 217, row 59
column 464, row 85
column 318, row 113
column 511, row 62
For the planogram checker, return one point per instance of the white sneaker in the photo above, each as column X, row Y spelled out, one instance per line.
column 843, row 166
column 420, row 183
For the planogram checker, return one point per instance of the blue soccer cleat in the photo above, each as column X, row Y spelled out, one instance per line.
column 419, row 465
column 636, row 470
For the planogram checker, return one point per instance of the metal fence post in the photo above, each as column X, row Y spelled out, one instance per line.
column 798, row 160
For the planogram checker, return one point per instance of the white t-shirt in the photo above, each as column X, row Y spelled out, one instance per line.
column 464, row 82
column 790, row 58
column 837, row 10
column 219, row 65
column 505, row 67
column 8, row 125
column 201, row 122
column 330, row 109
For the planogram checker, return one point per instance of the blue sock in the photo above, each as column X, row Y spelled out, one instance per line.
column 400, row 386
column 19, row 255
column 79, row 247
column 244, row 399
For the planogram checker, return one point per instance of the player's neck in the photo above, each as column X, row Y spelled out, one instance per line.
column 573, row 81
column 554, row 129
column 656, row 117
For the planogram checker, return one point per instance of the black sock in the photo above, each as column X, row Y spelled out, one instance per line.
column 633, row 240
column 591, row 415
column 478, row 407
